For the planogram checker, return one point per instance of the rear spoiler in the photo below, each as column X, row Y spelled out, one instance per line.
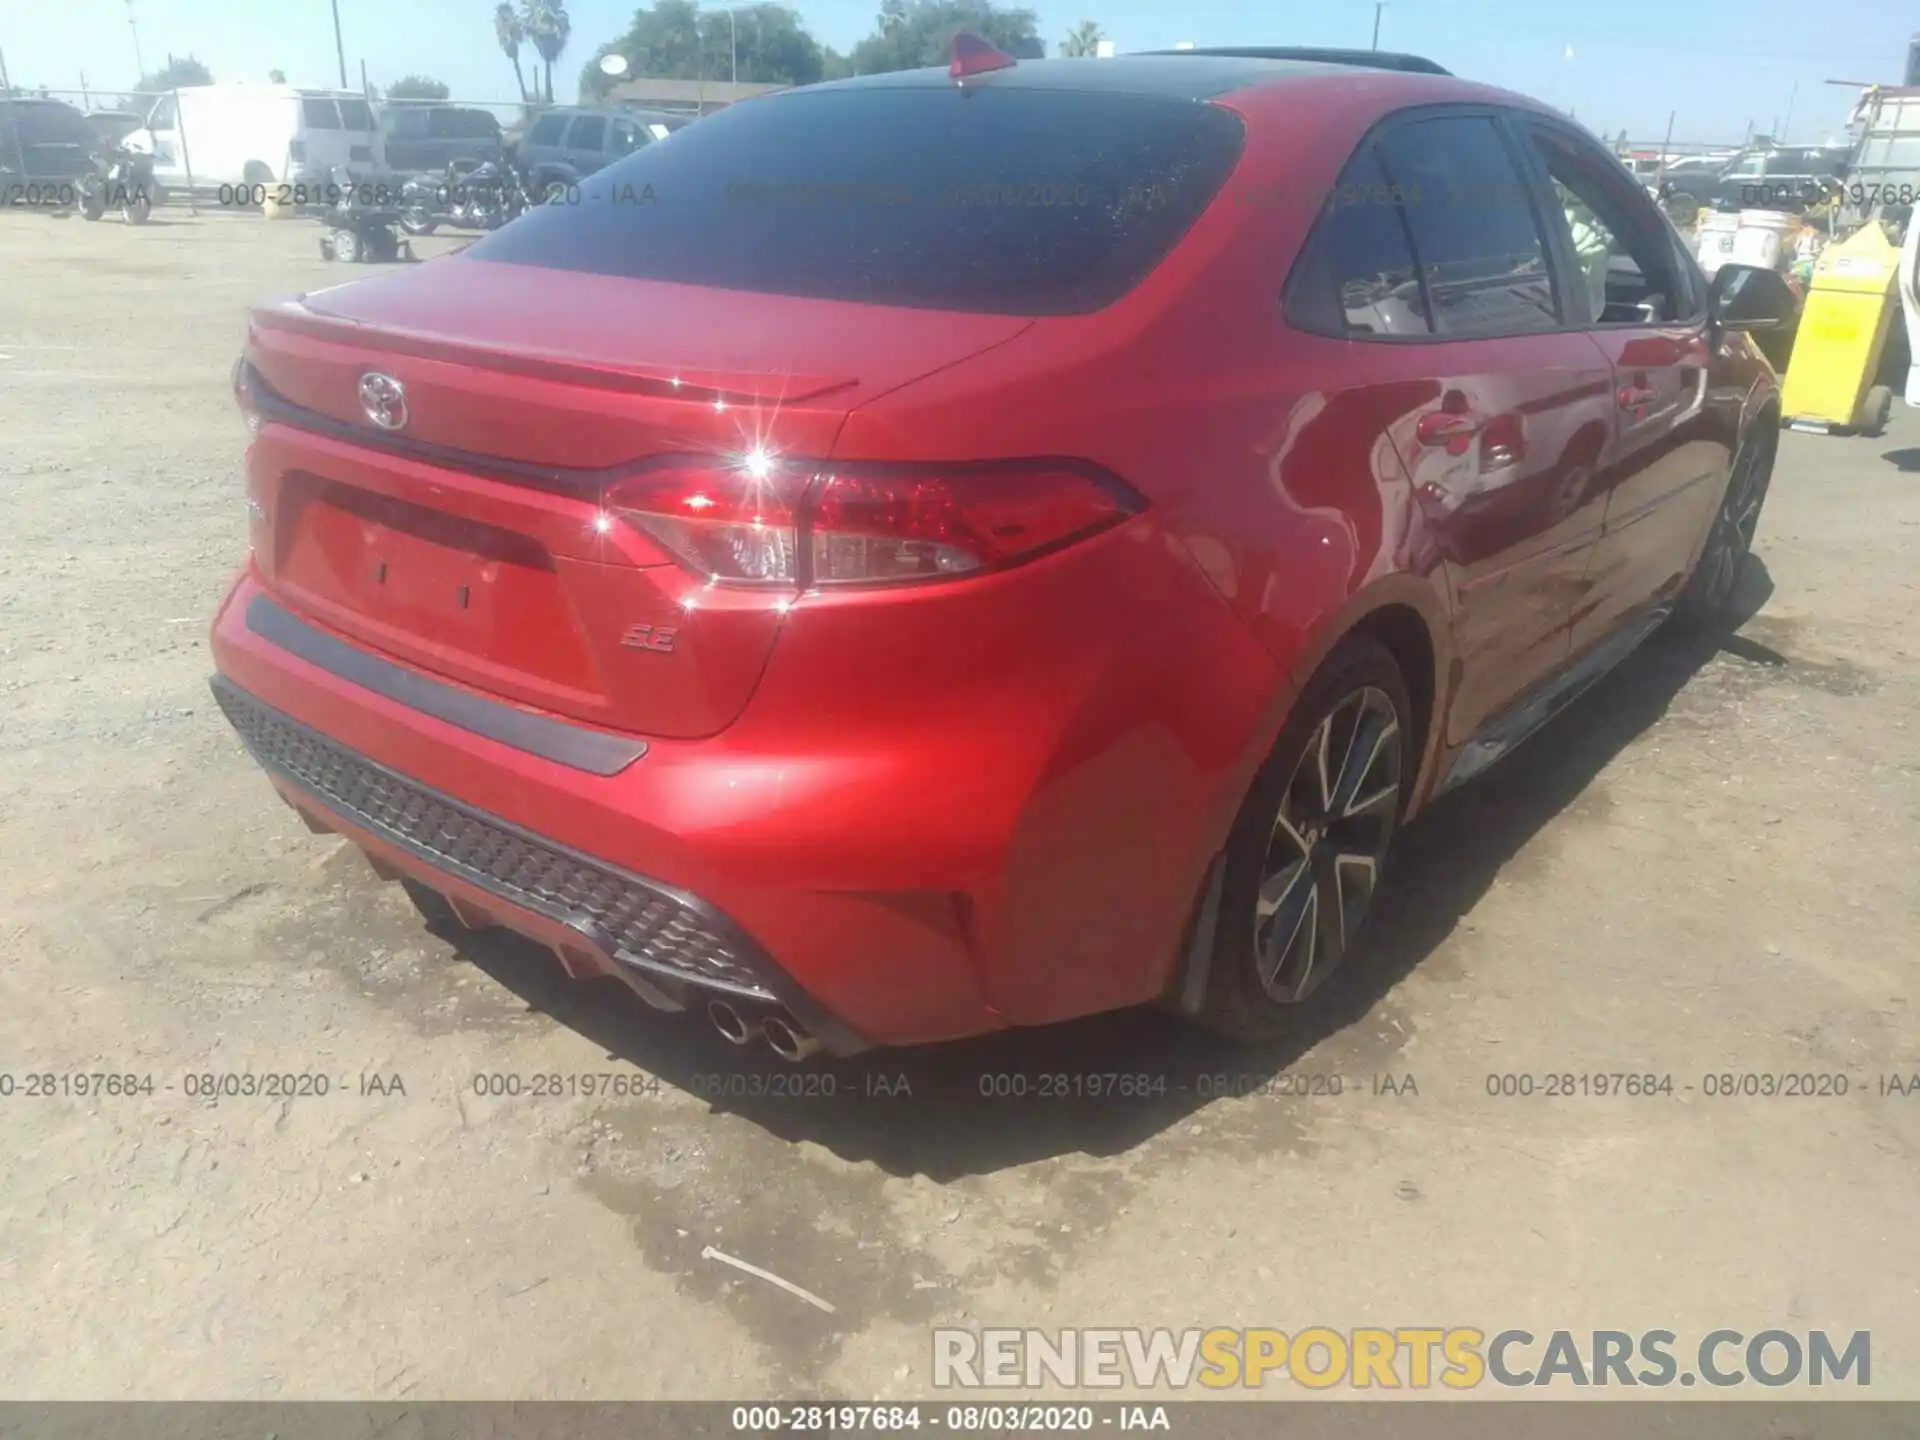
column 1360, row 59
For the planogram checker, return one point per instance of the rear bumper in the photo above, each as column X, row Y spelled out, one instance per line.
column 669, row 946
column 636, row 874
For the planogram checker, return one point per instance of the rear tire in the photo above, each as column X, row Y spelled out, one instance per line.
column 418, row 221
column 138, row 209
column 346, row 247
column 1308, row 851
column 1702, row 606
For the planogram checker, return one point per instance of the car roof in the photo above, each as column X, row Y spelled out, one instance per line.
column 1175, row 74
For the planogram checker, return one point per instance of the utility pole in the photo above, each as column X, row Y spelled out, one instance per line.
column 733, row 43
column 137, row 60
column 1379, row 5
column 339, row 49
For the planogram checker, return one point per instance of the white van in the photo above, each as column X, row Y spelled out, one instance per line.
column 239, row 134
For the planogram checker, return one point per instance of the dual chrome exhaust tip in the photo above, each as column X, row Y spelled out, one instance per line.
column 784, row 1035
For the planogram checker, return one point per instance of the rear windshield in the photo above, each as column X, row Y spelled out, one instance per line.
column 319, row 114
column 999, row 200
column 356, row 115
column 44, row 124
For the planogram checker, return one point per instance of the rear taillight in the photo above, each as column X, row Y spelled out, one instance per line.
column 245, row 396
column 728, row 523
column 795, row 525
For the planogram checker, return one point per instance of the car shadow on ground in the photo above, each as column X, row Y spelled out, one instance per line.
column 977, row 1106
column 1906, row 460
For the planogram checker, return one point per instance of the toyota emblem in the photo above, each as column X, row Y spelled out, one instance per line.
column 384, row 399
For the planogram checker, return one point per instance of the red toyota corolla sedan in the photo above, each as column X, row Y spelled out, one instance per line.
column 962, row 549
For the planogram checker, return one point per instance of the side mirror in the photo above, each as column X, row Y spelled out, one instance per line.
column 1747, row 297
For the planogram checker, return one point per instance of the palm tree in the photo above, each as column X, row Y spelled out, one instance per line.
column 507, row 30
column 1083, row 39
column 548, row 26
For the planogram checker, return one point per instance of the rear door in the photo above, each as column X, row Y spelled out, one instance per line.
column 1503, row 451
column 585, row 143
column 324, row 143
column 409, row 138
column 362, row 129
column 541, row 144
column 1646, row 311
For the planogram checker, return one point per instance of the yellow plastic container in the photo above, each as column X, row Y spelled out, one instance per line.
column 1843, row 333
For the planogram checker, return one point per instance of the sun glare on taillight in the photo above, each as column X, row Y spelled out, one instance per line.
column 737, row 523
column 800, row 524
column 244, row 395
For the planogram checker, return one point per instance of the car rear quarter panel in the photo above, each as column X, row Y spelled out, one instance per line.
column 1273, row 494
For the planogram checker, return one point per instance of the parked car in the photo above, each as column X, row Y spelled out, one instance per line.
column 46, row 149
column 243, row 141
column 1793, row 177
column 429, row 137
column 565, row 145
column 985, row 553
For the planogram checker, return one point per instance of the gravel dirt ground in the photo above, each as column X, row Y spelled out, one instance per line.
column 1708, row 867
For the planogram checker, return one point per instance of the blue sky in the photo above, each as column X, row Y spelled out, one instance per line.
column 1720, row 64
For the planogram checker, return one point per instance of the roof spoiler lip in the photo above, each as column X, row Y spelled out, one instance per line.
column 1359, row 59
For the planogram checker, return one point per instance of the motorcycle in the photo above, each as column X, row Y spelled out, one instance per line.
column 469, row 197
column 120, row 179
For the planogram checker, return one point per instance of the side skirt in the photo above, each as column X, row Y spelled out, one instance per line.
column 1547, row 699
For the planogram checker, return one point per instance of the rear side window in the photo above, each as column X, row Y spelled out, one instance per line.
column 589, row 132
column 546, row 130
column 1356, row 275
column 465, row 125
column 47, row 125
column 319, row 114
column 1008, row 200
column 625, row 138
column 407, row 124
column 356, row 115
column 1475, row 236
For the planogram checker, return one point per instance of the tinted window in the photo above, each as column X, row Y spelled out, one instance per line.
column 319, row 114
column 356, row 115
column 1007, row 200
column 1356, row 275
column 465, row 124
column 1474, row 234
column 407, row 124
column 589, row 132
column 625, row 138
column 48, row 125
column 546, row 130
column 1628, row 270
